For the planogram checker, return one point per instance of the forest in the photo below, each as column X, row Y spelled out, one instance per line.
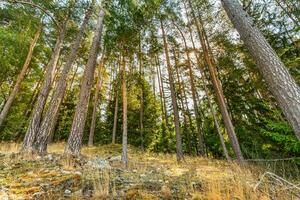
column 112, row 95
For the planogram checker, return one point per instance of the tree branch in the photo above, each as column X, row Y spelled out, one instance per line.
column 36, row 6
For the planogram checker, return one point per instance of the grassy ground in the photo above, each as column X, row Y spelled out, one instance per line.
column 148, row 176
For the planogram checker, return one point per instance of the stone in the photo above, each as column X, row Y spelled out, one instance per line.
column 78, row 193
column 99, row 163
column 115, row 159
column 142, row 175
column 50, row 157
column 67, row 193
column 45, row 187
column 38, row 195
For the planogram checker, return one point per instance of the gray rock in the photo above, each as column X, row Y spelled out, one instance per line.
column 142, row 175
column 45, row 187
column 78, row 193
column 50, row 157
column 115, row 159
column 38, row 195
column 120, row 194
column 67, row 193
column 99, row 163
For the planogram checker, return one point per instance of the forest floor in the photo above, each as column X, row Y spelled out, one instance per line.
column 99, row 174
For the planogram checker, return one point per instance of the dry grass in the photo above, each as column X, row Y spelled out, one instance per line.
column 159, row 176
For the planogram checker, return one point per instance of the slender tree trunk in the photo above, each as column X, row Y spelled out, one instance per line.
column 213, row 112
column 116, row 96
column 184, row 110
column 50, row 118
column 75, row 139
column 194, row 95
column 95, row 104
column 124, row 98
column 34, row 123
column 161, row 102
column 115, row 116
column 153, row 68
column 141, row 97
column 173, row 97
column 188, row 110
column 280, row 82
column 208, row 57
column 162, row 93
column 207, row 92
column 20, row 78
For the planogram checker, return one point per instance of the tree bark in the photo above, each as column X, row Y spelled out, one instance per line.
column 20, row 78
column 75, row 139
column 50, row 118
column 34, row 123
column 179, row 153
column 280, row 82
column 124, row 98
column 208, row 57
column 95, row 103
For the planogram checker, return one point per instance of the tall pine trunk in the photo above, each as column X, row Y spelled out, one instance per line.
column 75, row 139
column 194, row 95
column 34, row 123
column 280, row 82
column 208, row 57
column 20, row 78
column 50, row 117
column 179, row 153
column 163, row 96
column 124, row 102
column 225, row 151
column 213, row 112
column 141, row 96
column 115, row 115
column 184, row 107
column 95, row 104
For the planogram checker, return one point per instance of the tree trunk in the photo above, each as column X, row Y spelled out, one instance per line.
column 50, row 118
column 184, row 110
column 141, row 97
column 163, row 96
column 280, row 82
column 207, row 92
column 162, row 104
column 213, row 112
column 124, row 98
column 95, row 104
column 75, row 139
column 208, row 57
column 34, row 123
column 20, row 78
column 194, row 95
column 115, row 116
column 173, row 97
